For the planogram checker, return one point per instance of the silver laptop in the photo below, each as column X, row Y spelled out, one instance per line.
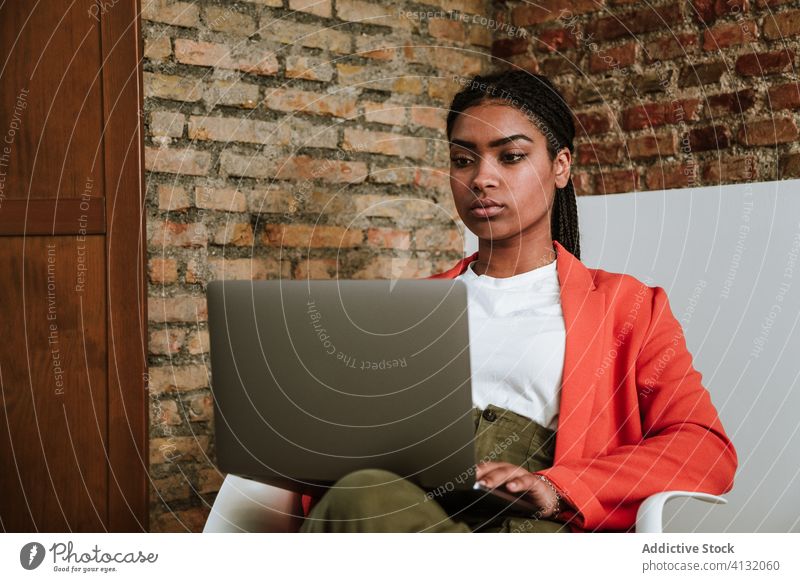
column 313, row 379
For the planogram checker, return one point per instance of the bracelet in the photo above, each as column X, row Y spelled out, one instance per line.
column 557, row 509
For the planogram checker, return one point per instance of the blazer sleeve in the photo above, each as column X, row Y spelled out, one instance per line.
column 683, row 447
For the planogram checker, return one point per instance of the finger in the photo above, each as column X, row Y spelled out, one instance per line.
column 523, row 483
column 502, row 474
column 485, row 467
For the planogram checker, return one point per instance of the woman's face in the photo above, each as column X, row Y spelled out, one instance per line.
column 497, row 153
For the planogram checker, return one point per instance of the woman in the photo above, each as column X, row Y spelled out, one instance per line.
column 589, row 369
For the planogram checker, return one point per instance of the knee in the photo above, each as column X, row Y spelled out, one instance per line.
column 367, row 478
column 364, row 491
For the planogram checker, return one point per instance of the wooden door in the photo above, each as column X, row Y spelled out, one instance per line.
column 73, row 427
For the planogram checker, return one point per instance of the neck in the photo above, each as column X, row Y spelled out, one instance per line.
column 498, row 260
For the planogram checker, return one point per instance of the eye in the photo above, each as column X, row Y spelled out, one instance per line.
column 514, row 157
column 457, row 161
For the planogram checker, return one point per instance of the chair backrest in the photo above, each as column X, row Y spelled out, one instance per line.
column 729, row 259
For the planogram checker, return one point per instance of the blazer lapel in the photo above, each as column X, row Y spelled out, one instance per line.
column 583, row 307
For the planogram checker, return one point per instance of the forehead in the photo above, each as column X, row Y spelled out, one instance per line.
column 488, row 121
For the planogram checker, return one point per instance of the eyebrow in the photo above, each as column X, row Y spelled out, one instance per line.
column 492, row 144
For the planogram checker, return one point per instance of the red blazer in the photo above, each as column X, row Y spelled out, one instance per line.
column 634, row 416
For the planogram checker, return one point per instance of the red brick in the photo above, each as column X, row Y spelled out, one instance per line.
column 554, row 40
column 162, row 270
column 229, row 199
column 706, row 11
column 305, row 167
column 166, row 233
column 190, row 520
column 201, row 408
column 386, row 112
column 789, row 166
column 549, row 10
column 302, row 235
column 225, row 19
column 702, row 10
column 166, row 341
column 316, row 269
column 310, row 68
column 618, row 57
column 768, row 132
column 172, row 198
column 438, row 238
column 593, row 122
column 660, row 113
column 583, row 183
column 784, row 96
column 174, row 378
column 702, row 74
column 252, row 268
column 649, row 146
column 671, row 46
column 507, row 47
column 390, row 238
column 617, row 181
column 232, row 129
column 177, row 161
column 782, row 25
column 751, row 65
column 312, row 35
column 237, row 234
column 246, row 57
column 181, row 308
column 731, row 7
column 157, row 48
column 295, row 100
column 555, row 66
column 717, row 137
column 667, row 176
column 599, row 153
column 390, row 144
column 184, row 14
column 730, row 169
column 636, row 22
column 401, row 267
column 433, row 117
column 321, row 8
column 730, row 34
column 727, row 103
column 174, row 87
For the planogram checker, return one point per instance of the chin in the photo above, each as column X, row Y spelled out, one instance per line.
column 493, row 232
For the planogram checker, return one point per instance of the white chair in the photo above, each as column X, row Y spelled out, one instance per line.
column 243, row 505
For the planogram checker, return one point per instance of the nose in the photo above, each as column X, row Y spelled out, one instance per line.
column 485, row 177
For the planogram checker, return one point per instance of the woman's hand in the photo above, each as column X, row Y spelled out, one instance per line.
column 517, row 480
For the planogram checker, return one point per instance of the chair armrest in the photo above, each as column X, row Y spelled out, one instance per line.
column 243, row 505
column 650, row 517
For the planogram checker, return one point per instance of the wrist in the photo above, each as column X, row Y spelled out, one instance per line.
column 554, row 508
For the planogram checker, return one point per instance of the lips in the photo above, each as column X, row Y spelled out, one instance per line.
column 486, row 208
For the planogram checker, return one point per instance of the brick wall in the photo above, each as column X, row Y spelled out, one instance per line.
column 672, row 95
column 290, row 139
column 300, row 138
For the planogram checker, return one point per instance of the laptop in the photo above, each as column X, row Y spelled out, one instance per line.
column 313, row 379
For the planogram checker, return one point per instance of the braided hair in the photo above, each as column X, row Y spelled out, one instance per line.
column 537, row 98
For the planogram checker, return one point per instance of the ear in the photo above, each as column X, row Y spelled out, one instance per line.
column 562, row 166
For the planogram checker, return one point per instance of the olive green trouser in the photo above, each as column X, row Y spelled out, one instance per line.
column 376, row 500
